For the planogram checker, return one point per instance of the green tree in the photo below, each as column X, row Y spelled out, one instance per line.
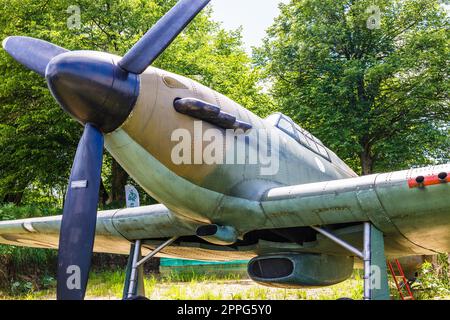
column 369, row 77
column 38, row 140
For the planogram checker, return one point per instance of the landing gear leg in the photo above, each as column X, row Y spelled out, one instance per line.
column 134, row 276
column 134, row 279
column 375, row 273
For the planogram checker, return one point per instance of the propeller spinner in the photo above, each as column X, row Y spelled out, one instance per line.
column 99, row 90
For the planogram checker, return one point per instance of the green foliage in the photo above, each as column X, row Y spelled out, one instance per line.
column 10, row 212
column 379, row 97
column 433, row 279
column 23, row 270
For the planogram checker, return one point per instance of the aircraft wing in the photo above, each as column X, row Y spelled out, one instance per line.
column 113, row 229
column 413, row 203
column 412, row 215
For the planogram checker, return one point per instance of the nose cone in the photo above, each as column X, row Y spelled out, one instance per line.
column 92, row 88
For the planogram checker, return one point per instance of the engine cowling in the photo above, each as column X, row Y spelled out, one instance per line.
column 300, row 270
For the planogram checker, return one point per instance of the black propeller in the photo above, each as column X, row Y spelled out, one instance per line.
column 99, row 90
column 33, row 53
column 156, row 40
column 77, row 232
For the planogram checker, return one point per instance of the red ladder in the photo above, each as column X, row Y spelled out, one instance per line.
column 403, row 288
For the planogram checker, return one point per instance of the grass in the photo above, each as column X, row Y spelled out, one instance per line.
column 25, row 272
column 211, row 283
column 191, row 286
column 109, row 285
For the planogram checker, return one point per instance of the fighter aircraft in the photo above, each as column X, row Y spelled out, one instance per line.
column 299, row 212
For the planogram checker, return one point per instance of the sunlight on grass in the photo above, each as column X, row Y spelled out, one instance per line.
column 192, row 286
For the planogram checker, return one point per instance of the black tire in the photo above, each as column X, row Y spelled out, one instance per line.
column 136, row 298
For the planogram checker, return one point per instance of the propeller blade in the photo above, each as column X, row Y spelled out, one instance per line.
column 33, row 53
column 158, row 38
column 77, row 233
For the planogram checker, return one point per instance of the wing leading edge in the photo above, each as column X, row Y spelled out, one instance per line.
column 115, row 229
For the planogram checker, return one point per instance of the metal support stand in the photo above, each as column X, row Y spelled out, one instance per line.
column 379, row 278
column 126, row 285
column 137, row 274
column 375, row 273
column 366, row 259
column 134, row 272
column 134, row 282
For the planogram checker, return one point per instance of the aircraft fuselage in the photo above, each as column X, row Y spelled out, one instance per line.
column 144, row 145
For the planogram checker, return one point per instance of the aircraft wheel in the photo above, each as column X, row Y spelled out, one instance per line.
column 137, row 298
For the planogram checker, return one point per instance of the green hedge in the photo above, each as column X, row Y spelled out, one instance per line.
column 24, row 268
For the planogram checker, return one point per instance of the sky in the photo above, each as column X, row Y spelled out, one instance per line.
column 255, row 16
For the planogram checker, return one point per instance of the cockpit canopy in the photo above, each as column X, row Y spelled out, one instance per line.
column 285, row 124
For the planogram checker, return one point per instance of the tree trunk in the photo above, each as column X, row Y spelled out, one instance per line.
column 16, row 193
column 366, row 161
column 118, row 181
column 15, row 198
column 103, row 196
